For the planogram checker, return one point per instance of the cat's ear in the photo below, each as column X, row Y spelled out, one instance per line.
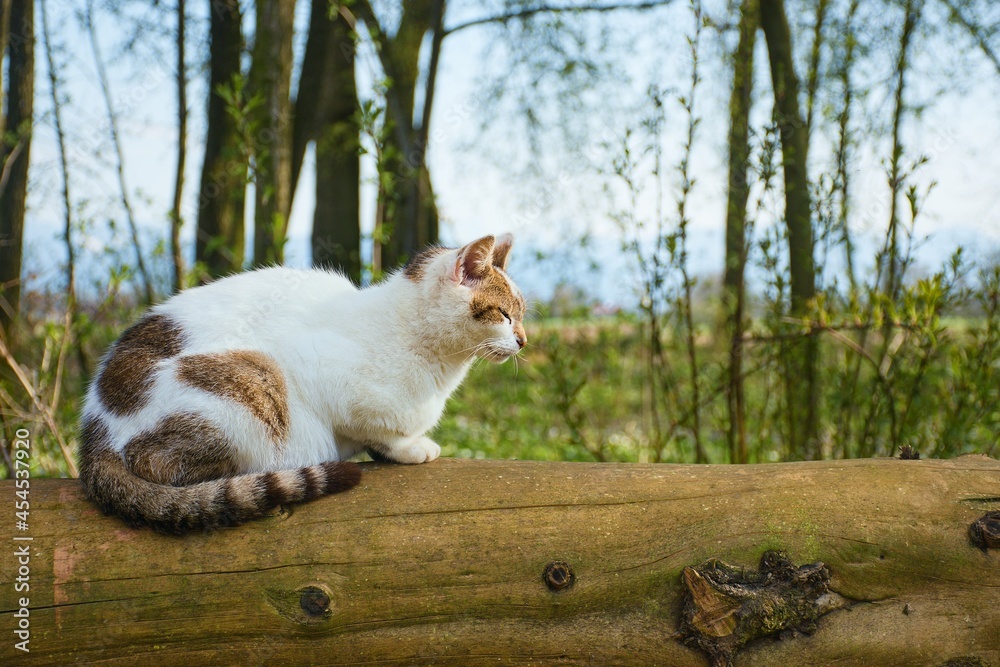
column 474, row 261
column 501, row 251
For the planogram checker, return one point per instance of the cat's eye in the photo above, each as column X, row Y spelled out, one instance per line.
column 504, row 313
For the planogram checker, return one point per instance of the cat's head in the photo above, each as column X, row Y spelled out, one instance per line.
column 474, row 298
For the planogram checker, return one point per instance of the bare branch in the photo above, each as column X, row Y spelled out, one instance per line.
column 9, row 163
column 102, row 76
column 63, row 162
column 974, row 30
column 556, row 9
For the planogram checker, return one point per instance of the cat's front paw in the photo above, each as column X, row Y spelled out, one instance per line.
column 421, row 450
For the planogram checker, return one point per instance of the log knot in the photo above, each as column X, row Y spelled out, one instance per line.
column 558, row 576
column 985, row 531
column 308, row 606
column 314, row 601
column 725, row 606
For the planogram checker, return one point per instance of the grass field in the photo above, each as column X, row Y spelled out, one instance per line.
column 581, row 391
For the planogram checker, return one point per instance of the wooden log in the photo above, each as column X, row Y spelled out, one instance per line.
column 472, row 563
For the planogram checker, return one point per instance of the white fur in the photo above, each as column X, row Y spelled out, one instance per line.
column 362, row 367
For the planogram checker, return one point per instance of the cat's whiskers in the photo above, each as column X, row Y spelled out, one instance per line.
column 474, row 348
column 493, row 346
column 474, row 352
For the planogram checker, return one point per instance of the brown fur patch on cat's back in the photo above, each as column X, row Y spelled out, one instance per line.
column 493, row 294
column 247, row 377
column 181, row 449
column 127, row 376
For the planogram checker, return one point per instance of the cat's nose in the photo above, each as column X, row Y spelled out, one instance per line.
column 520, row 336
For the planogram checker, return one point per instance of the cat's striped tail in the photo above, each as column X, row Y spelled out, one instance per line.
column 207, row 505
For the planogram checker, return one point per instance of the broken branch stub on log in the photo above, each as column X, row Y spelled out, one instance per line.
column 726, row 607
column 471, row 563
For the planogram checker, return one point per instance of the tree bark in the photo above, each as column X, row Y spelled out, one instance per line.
column 176, row 221
column 4, row 32
column 802, row 386
column 324, row 112
column 794, row 150
column 410, row 212
column 336, row 232
column 15, row 155
column 472, row 563
column 222, row 192
column 305, row 122
column 734, row 294
column 270, row 82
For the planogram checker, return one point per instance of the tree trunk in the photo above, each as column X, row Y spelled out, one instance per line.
column 498, row 562
column 222, row 192
column 336, row 232
column 15, row 155
column 801, row 382
column 311, row 80
column 410, row 212
column 794, row 148
column 4, row 33
column 176, row 221
column 270, row 82
column 736, row 219
column 324, row 112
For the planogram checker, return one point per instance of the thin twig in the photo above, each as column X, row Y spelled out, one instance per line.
column 71, row 305
column 45, row 410
column 64, row 345
column 687, row 183
column 102, row 76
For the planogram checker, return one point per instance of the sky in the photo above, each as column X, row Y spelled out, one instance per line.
column 545, row 188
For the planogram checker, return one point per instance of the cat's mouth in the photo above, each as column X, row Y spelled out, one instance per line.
column 497, row 355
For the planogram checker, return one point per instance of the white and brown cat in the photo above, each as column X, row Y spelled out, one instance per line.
column 230, row 399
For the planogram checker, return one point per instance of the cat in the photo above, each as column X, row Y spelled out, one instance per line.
column 253, row 391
